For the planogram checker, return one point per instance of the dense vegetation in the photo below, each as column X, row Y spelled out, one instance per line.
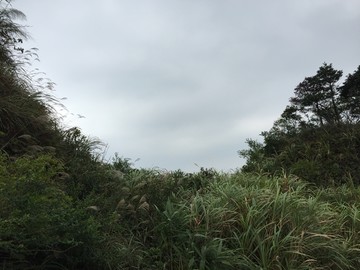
column 317, row 136
column 62, row 207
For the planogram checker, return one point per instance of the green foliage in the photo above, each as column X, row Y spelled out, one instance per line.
column 257, row 161
column 83, row 165
column 244, row 222
column 350, row 93
column 63, row 207
column 316, row 98
column 317, row 136
column 39, row 225
column 25, row 107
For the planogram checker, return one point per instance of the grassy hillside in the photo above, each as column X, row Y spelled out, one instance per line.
column 146, row 219
column 62, row 207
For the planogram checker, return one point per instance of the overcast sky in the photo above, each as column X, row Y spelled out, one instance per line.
column 184, row 82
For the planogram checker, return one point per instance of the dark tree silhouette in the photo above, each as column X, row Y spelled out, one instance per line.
column 316, row 98
column 317, row 136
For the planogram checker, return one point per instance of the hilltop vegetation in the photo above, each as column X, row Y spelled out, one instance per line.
column 317, row 136
column 63, row 207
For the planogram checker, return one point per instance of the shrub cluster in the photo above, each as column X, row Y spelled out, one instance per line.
column 317, row 137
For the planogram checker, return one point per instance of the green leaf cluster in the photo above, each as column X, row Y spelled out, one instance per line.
column 317, row 136
column 40, row 226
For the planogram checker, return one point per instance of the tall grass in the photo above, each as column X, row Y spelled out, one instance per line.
column 151, row 219
column 248, row 222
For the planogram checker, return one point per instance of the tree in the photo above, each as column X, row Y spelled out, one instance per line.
column 317, row 136
column 350, row 94
column 316, row 98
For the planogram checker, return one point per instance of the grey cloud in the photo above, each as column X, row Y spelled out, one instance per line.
column 177, row 82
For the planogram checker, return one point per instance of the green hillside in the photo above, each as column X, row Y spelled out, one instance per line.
column 294, row 205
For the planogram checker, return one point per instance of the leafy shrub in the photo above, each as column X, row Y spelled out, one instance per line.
column 40, row 227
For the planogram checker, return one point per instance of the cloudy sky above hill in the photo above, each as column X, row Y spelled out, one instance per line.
column 182, row 82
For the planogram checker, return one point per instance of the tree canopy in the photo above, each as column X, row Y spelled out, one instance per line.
column 317, row 137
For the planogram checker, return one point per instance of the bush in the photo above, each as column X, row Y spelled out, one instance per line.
column 40, row 227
